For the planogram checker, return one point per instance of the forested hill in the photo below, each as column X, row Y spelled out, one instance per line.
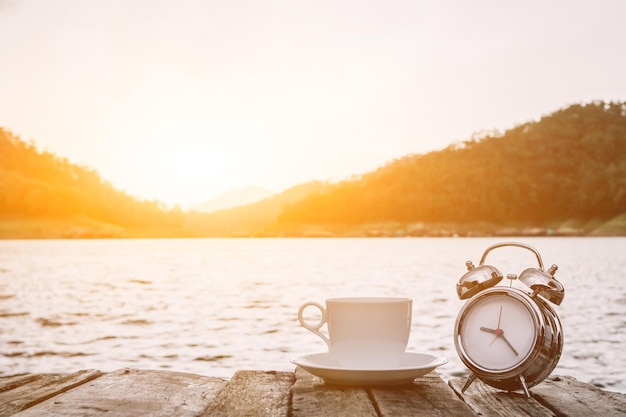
column 43, row 195
column 567, row 168
column 564, row 173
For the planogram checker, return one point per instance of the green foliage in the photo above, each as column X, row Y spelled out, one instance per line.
column 567, row 169
column 569, row 165
column 37, row 184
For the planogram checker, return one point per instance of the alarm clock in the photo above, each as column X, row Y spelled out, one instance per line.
column 510, row 338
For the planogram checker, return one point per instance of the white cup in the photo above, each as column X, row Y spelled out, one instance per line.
column 364, row 332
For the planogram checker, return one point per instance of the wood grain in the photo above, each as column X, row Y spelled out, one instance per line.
column 427, row 396
column 569, row 397
column 312, row 397
column 22, row 392
column 253, row 393
column 129, row 392
column 489, row 401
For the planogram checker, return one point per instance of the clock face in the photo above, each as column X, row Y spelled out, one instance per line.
column 497, row 331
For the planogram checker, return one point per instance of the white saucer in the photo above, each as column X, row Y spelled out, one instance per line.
column 411, row 366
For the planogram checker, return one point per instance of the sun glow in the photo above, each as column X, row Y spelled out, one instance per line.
column 174, row 139
column 183, row 101
column 168, row 139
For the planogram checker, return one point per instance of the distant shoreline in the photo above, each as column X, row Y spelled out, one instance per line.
column 89, row 229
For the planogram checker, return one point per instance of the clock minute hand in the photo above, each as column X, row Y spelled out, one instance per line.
column 507, row 342
column 499, row 333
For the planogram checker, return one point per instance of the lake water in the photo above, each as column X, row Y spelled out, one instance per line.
column 215, row 306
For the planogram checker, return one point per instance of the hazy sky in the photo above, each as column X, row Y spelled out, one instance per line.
column 183, row 100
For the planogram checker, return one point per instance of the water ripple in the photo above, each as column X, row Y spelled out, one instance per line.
column 214, row 306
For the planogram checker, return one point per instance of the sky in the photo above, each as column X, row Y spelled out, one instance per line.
column 184, row 100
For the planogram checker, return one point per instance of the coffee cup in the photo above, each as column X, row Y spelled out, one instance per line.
column 363, row 332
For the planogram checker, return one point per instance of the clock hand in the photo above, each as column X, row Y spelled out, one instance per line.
column 499, row 319
column 508, row 343
column 498, row 331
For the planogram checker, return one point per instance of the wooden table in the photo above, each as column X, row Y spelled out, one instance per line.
column 131, row 392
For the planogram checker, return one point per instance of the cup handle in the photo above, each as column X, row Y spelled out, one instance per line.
column 314, row 328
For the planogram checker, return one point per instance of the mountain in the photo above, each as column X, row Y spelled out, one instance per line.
column 234, row 198
column 252, row 219
column 564, row 174
column 45, row 196
column 566, row 171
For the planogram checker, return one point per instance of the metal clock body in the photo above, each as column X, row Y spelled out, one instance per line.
column 509, row 338
column 504, row 337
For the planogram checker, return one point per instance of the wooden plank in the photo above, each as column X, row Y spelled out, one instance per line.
column 20, row 393
column 10, row 382
column 568, row 397
column 491, row 402
column 253, row 393
column 427, row 396
column 130, row 392
column 257, row 393
column 311, row 397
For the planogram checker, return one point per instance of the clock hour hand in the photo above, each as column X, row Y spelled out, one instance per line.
column 488, row 330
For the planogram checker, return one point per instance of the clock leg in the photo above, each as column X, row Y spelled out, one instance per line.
column 469, row 381
column 523, row 381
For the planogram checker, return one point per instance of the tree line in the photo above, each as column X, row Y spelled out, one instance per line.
column 36, row 184
column 568, row 165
